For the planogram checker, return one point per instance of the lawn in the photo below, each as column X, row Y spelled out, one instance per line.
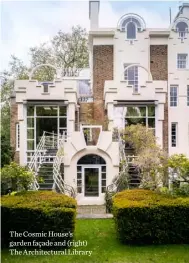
column 101, row 240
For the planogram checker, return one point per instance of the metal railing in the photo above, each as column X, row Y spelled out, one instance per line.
column 123, row 161
column 47, row 141
column 57, row 177
column 36, row 161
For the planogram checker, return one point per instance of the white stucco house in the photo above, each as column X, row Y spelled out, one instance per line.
column 136, row 75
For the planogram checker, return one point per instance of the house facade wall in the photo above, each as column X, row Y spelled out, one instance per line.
column 180, row 78
column 154, row 52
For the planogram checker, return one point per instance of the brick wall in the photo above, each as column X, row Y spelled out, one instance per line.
column 102, row 70
column 13, row 121
column 86, row 112
column 159, row 71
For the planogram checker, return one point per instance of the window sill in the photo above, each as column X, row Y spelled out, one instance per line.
column 183, row 69
column 45, row 93
column 134, row 93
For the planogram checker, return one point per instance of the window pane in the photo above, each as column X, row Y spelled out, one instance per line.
column 103, row 168
column 30, row 145
column 134, row 121
column 79, row 176
column 30, row 122
column 135, row 111
column 63, row 122
column 30, row 111
column 79, row 168
column 151, row 123
column 63, row 111
column 30, row 134
column 151, row 111
column 46, row 111
column 173, row 96
column 103, row 189
column 173, row 134
column 131, row 30
column 103, row 182
column 103, row 175
column 79, row 190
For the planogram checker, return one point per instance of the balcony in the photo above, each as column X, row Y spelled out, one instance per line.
column 147, row 91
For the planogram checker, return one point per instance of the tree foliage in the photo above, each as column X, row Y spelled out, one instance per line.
column 179, row 165
column 65, row 50
column 139, row 138
column 151, row 159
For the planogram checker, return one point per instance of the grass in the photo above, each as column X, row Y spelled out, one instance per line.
column 101, row 240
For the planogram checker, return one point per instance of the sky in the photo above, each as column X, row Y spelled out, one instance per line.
column 25, row 24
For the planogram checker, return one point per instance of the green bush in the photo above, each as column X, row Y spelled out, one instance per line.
column 15, row 177
column 146, row 217
column 37, row 211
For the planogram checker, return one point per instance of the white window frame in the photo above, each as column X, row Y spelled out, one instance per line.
column 136, row 75
column 173, row 94
column 131, row 39
column 17, row 137
column 174, row 135
column 181, row 62
column 182, row 34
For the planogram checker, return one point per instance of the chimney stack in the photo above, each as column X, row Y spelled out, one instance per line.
column 94, row 7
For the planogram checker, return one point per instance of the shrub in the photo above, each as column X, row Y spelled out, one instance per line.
column 37, row 211
column 146, row 217
column 15, row 177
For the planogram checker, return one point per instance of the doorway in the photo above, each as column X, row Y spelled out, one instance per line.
column 91, row 181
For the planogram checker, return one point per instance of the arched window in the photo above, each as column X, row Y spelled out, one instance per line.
column 131, row 24
column 131, row 30
column 182, row 29
column 91, row 159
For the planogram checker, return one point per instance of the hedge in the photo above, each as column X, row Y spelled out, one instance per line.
column 146, row 217
column 37, row 212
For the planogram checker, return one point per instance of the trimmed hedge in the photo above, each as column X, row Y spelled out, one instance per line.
column 146, row 217
column 37, row 212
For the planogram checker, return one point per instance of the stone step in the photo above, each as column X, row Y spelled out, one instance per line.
column 91, row 209
column 46, row 176
column 46, row 185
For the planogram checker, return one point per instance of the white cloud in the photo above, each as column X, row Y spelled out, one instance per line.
column 33, row 25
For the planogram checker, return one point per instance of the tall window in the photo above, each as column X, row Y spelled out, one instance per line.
column 131, row 75
column 131, row 30
column 173, row 134
column 17, row 137
column 188, row 95
column 182, row 29
column 52, row 119
column 173, row 96
column 182, row 61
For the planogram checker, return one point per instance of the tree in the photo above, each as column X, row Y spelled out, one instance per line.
column 179, row 165
column 151, row 159
column 139, row 138
column 65, row 50
column 6, row 151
